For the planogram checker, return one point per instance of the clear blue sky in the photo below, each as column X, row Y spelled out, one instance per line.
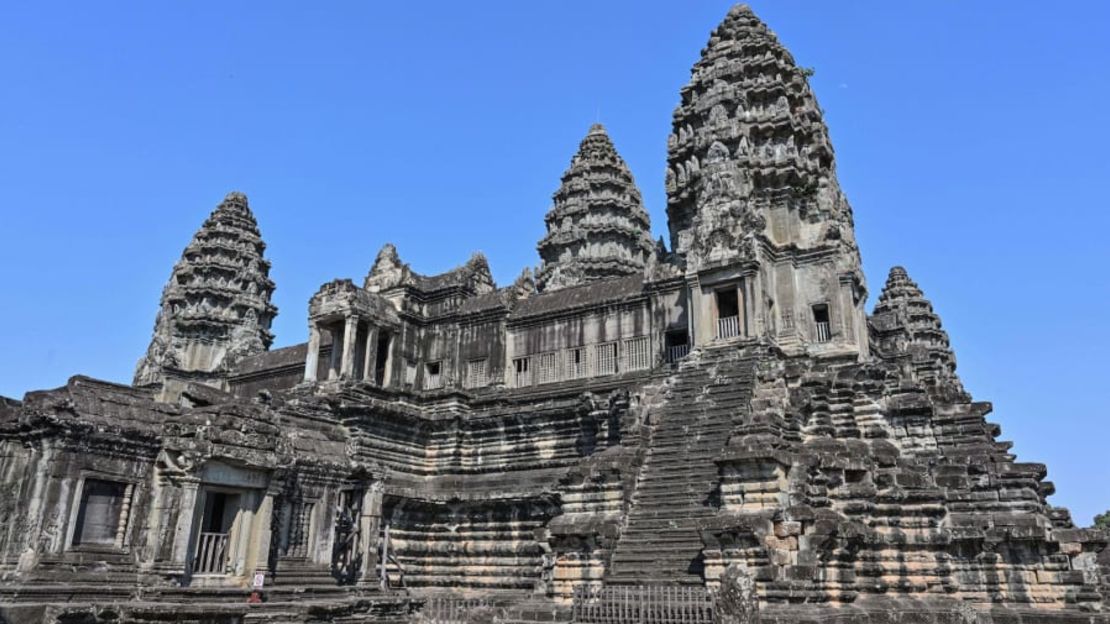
column 972, row 139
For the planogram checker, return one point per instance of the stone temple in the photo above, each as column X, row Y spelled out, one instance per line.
column 712, row 429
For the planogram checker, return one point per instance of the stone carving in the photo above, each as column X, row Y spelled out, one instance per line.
column 598, row 227
column 748, row 141
column 215, row 309
column 737, row 602
column 908, row 327
column 718, row 432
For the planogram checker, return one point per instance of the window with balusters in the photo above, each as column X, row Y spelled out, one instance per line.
column 606, row 358
column 637, row 354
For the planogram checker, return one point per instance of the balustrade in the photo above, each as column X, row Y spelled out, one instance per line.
column 677, row 352
column 728, row 327
column 211, row 554
column 824, row 332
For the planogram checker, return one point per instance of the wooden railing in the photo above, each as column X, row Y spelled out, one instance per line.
column 648, row 604
column 211, row 554
column 677, row 352
column 824, row 332
column 728, row 327
column 452, row 610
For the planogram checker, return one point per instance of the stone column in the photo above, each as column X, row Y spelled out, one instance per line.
column 258, row 558
column 370, row 361
column 350, row 333
column 183, row 538
column 370, row 526
column 312, row 359
column 336, row 353
column 749, row 307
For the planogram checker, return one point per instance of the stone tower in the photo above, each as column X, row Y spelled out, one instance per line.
column 907, row 328
column 751, row 184
column 598, row 227
column 216, row 308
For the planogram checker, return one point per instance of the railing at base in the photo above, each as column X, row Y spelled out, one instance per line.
column 453, row 610
column 677, row 352
column 824, row 332
column 211, row 554
column 647, row 604
column 728, row 327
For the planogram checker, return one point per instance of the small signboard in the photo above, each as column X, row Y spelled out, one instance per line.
column 259, row 580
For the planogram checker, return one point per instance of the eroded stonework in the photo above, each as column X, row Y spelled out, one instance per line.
column 718, row 433
column 216, row 308
column 598, row 227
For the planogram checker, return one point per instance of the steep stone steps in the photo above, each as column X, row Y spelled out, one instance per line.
column 661, row 543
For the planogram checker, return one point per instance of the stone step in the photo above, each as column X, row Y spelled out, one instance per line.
column 661, row 543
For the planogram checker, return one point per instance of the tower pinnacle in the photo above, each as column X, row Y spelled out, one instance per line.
column 909, row 327
column 598, row 227
column 216, row 308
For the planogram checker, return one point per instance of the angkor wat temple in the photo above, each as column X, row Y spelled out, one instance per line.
column 710, row 429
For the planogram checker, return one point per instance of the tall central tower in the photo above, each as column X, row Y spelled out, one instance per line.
column 752, row 195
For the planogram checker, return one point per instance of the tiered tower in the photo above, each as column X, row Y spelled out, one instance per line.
column 598, row 227
column 216, row 308
column 751, row 184
column 907, row 327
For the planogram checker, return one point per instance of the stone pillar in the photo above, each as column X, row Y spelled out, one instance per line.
column 347, row 361
column 336, row 353
column 370, row 360
column 258, row 558
column 705, row 311
column 312, row 359
column 749, row 307
column 183, row 538
column 370, row 526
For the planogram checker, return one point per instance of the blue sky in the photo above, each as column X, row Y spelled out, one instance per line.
column 972, row 140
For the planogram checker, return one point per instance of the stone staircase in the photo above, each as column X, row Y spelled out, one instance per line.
column 705, row 399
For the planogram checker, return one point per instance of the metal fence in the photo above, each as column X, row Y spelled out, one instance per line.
column 649, row 604
column 454, row 610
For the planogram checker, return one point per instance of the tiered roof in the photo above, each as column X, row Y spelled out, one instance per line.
column 215, row 309
column 598, row 227
column 748, row 137
column 908, row 326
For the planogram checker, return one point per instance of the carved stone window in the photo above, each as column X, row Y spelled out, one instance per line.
column 676, row 345
column 606, row 358
column 433, row 375
column 546, row 368
column 576, row 363
column 477, row 373
column 637, row 354
column 728, row 313
column 823, row 330
column 103, row 513
column 522, row 376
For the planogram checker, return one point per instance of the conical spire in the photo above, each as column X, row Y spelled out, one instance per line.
column 908, row 326
column 598, row 227
column 750, row 154
column 216, row 308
